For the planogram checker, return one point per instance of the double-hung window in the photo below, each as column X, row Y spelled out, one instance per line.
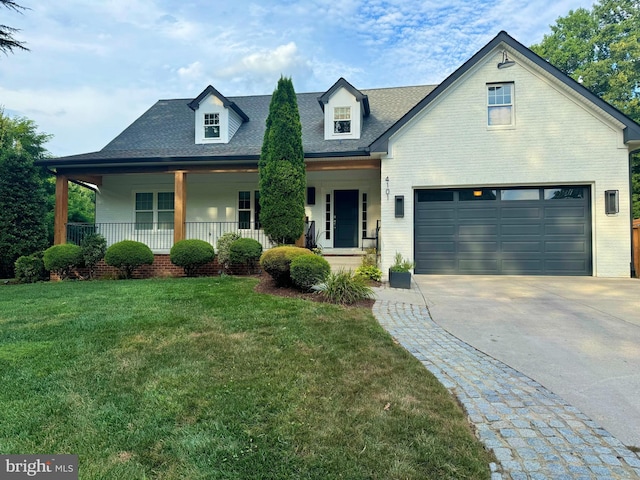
column 342, row 120
column 245, row 211
column 211, row 125
column 154, row 208
column 500, row 104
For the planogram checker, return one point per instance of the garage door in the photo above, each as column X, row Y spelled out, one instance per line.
column 514, row 231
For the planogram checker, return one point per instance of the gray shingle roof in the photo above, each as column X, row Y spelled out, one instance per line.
column 166, row 131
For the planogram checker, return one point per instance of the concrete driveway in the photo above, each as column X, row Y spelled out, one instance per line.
column 577, row 336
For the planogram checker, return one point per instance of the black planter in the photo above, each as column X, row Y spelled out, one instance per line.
column 400, row 279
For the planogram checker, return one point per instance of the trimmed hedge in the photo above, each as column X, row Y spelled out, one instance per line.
column 128, row 255
column 277, row 262
column 30, row 268
column 191, row 254
column 61, row 259
column 245, row 251
column 309, row 270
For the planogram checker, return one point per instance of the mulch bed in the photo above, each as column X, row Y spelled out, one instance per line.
column 268, row 286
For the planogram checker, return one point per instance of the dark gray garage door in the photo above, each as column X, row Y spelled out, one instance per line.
column 514, row 231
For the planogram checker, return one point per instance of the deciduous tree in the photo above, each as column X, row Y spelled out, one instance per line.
column 600, row 47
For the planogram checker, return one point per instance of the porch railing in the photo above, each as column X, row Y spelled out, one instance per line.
column 159, row 236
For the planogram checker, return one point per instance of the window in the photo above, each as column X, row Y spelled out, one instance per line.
column 563, row 193
column 520, row 194
column 364, row 215
column 500, row 104
column 154, row 208
column 475, row 194
column 342, row 120
column 244, row 210
column 211, row 125
column 327, row 217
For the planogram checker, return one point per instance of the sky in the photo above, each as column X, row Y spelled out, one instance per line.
column 95, row 66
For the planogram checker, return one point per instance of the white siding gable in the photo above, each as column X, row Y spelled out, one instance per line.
column 340, row 99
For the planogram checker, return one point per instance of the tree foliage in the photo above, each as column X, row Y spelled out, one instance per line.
column 22, row 196
column 600, row 47
column 281, row 168
column 7, row 40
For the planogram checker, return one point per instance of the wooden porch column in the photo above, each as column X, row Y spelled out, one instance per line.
column 180, row 207
column 61, row 210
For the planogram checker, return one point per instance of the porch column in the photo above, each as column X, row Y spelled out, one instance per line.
column 180, row 207
column 61, row 210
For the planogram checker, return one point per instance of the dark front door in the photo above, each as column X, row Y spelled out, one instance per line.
column 345, row 213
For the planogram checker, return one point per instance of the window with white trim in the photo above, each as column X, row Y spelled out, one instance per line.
column 154, row 210
column 500, row 104
column 244, row 210
column 342, row 120
column 211, row 125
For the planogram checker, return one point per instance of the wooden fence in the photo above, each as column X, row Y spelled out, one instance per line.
column 636, row 246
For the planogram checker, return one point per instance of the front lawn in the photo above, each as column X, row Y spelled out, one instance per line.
column 204, row 378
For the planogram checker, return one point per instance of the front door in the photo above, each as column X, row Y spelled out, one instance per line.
column 345, row 215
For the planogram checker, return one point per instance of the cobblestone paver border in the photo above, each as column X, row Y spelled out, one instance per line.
column 534, row 433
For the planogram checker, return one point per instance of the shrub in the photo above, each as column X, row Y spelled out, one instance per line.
column 309, row 270
column 191, row 254
column 93, row 247
column 245, row 251
column 370, row 272
column 370, row 258
column 128, row 255
column 61, row 259
column 277, row 262
column 223, row 247
column 344, row 288
column 30, row 268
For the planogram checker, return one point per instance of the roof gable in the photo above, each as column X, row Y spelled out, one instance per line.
column 342, row 83
column 195, row 103
column 631, row 129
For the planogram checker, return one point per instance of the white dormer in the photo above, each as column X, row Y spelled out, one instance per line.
column 344, row 110
column 216, row 118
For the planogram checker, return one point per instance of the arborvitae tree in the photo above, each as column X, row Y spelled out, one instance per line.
column 22, row 210
column 281, row 168
column 22, row 197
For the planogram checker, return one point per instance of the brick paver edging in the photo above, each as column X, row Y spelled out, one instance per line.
column 533, row 432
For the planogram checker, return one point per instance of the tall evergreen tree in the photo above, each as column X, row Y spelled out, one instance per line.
column 7, row 41
column 23, row 201
column 600, row 48
column 281, row 168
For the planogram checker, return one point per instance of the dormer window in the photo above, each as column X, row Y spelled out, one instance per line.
column 211, row 125
column 342, row 120
column 217, row 118
column 345, row 109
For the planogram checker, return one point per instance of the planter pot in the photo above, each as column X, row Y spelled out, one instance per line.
column 400, row 279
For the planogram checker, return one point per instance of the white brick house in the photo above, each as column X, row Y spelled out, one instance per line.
column 506, row 167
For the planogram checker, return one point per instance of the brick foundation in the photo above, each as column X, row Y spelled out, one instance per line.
column 161, row 267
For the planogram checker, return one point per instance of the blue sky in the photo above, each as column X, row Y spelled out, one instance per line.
column 96, row 65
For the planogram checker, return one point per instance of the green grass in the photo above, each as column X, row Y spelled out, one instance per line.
column 201, row 378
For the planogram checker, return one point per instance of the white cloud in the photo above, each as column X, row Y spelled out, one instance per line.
column 81, row 120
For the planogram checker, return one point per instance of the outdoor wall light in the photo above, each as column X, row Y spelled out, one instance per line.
column 399, row 206
column 506, row 63
column 611, row 202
